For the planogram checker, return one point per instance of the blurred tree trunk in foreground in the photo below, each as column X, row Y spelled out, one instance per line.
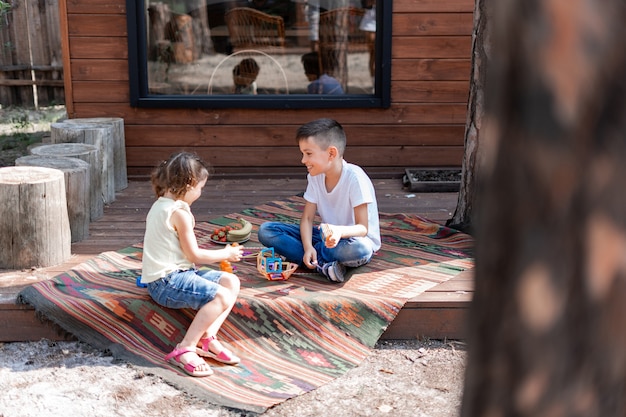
column 462, row 218
column 546, row 331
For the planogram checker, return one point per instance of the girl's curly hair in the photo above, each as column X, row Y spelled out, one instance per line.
column 181, row 170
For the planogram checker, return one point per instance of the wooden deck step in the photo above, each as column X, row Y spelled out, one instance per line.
column 437, row 314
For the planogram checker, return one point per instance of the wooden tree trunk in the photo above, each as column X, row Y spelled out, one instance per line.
column 118, row 144
column 159, row 16
column 546, row 330
column 201, row 32
column 462, row 218
column 183, row 38
column 91, row 155
column 34, row 226
column 99, row 135
column 77, row 178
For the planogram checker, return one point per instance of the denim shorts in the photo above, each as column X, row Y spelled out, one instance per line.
column 191, row 288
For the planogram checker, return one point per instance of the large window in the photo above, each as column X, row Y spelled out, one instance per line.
column 259, row 53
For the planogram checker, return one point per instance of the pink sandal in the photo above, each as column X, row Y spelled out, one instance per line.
column 225, row 356
column 189, row 367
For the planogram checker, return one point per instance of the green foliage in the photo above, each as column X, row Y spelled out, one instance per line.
column 21, row 138
column 4, row 7
column 19, row 141
column 20, row 121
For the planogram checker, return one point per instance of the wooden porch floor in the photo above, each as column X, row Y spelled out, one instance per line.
column 437, row 314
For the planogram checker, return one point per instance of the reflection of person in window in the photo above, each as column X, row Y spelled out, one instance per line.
column 321, row 83
column 313, row 16
column 244, row 76
column 368, row 25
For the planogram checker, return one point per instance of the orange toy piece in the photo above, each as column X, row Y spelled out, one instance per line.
column 225, row 265
column 326, row 232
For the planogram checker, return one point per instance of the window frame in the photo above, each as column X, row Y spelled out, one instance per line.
column 138, row 75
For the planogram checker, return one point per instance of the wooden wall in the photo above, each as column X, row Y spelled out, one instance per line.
column 424, row 126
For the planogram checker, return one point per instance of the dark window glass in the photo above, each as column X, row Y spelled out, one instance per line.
column 259, row 53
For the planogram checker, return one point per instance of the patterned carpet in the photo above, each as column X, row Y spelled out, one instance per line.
column 293, row 336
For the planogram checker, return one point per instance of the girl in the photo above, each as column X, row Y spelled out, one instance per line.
column 170, row 253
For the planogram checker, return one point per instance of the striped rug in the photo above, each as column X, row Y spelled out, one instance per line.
column 293, row 336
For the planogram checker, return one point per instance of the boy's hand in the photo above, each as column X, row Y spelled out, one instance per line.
column 310, row 258
column 331, row 235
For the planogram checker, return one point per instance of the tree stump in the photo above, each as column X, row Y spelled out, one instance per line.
column 77, row 176
column 119, row 145
column 34, row 226
column 100, row 136
column 89, row 154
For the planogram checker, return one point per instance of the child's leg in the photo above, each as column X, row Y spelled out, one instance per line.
column 230, row 284
column 208, row 345
column 198, row 290
column 209, row 318
column 188, row 289
column 352, row 252
column 285, row 239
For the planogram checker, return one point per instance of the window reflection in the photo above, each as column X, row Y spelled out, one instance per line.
column 261, row 47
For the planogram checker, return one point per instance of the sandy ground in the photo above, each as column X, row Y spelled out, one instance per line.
column 399, row 378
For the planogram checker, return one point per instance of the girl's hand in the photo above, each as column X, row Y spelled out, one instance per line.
column 234, row 252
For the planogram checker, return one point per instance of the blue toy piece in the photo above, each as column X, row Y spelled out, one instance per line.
column 140, row 284
column 273, row 267
column 271, row 262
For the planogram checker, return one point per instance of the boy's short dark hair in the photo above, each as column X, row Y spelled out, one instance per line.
column 326, row 132
column 311, row 63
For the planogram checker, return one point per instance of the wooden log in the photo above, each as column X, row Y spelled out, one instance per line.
column 89, row 154
column 159, row 14
column 97, row 135
column 183, row 38
column 34, row 225
column 77, row 178
column 119, row 145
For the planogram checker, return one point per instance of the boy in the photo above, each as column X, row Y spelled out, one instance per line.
column 345, row 199
column 320, row 82
column 244, row 76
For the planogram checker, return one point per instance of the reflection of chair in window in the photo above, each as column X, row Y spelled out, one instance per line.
column 357, row 39
column 333, row 43
column 252, row 29
column 271, row 77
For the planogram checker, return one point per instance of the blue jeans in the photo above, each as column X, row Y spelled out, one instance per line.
column 286, row 241
column 192, row 288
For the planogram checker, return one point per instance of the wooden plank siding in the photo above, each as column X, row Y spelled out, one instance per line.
column 424, row 126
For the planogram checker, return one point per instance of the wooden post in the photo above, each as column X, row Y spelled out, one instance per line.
column 97, row 135
column 89, row 154
column 118, row 142
column 34, row 226
column 183, row 38
column 77, row 176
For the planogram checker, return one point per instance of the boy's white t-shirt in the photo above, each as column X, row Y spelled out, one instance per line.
column 337, row 207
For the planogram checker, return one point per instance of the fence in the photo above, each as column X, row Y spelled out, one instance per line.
column 31, row 63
